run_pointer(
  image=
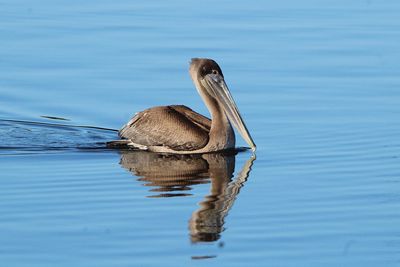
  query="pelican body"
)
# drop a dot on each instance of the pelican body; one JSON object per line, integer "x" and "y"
{"x": 178, "y": 129}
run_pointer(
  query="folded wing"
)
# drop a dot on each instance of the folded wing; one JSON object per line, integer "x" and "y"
{"x": 175, "y": 127}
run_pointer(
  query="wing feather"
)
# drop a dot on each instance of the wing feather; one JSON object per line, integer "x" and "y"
{"x": 176, "y": 127}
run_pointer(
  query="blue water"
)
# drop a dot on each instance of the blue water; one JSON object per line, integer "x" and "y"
{"x": 317, "y": 82}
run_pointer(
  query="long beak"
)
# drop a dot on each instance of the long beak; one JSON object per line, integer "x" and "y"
{"x": 221, "y": 92}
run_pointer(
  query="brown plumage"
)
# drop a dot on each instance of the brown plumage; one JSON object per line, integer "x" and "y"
{"x": 175, "y": 127}
{"x": 178, "y": 129}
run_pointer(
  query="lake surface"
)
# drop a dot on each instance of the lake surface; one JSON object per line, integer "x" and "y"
{"x": 317, "y": 82}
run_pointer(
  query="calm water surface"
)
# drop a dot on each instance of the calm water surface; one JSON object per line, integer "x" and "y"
{"x": 318, "y": 84}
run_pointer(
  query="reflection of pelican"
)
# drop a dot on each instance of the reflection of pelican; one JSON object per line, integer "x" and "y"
{"x": 174, "y": 174}
{"x": 180, "y": 130}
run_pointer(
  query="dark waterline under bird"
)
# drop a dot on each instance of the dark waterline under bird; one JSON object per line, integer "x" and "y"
{"x": 178, "y": 129}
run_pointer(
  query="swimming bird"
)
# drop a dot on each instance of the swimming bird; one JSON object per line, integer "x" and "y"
{"x": 178, "y": 129}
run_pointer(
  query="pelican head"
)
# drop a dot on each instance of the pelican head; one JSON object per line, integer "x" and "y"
{"x": 208, "y": 78}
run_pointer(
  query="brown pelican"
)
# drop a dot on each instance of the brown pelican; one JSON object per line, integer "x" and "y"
{"x": 178, "y": 129}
